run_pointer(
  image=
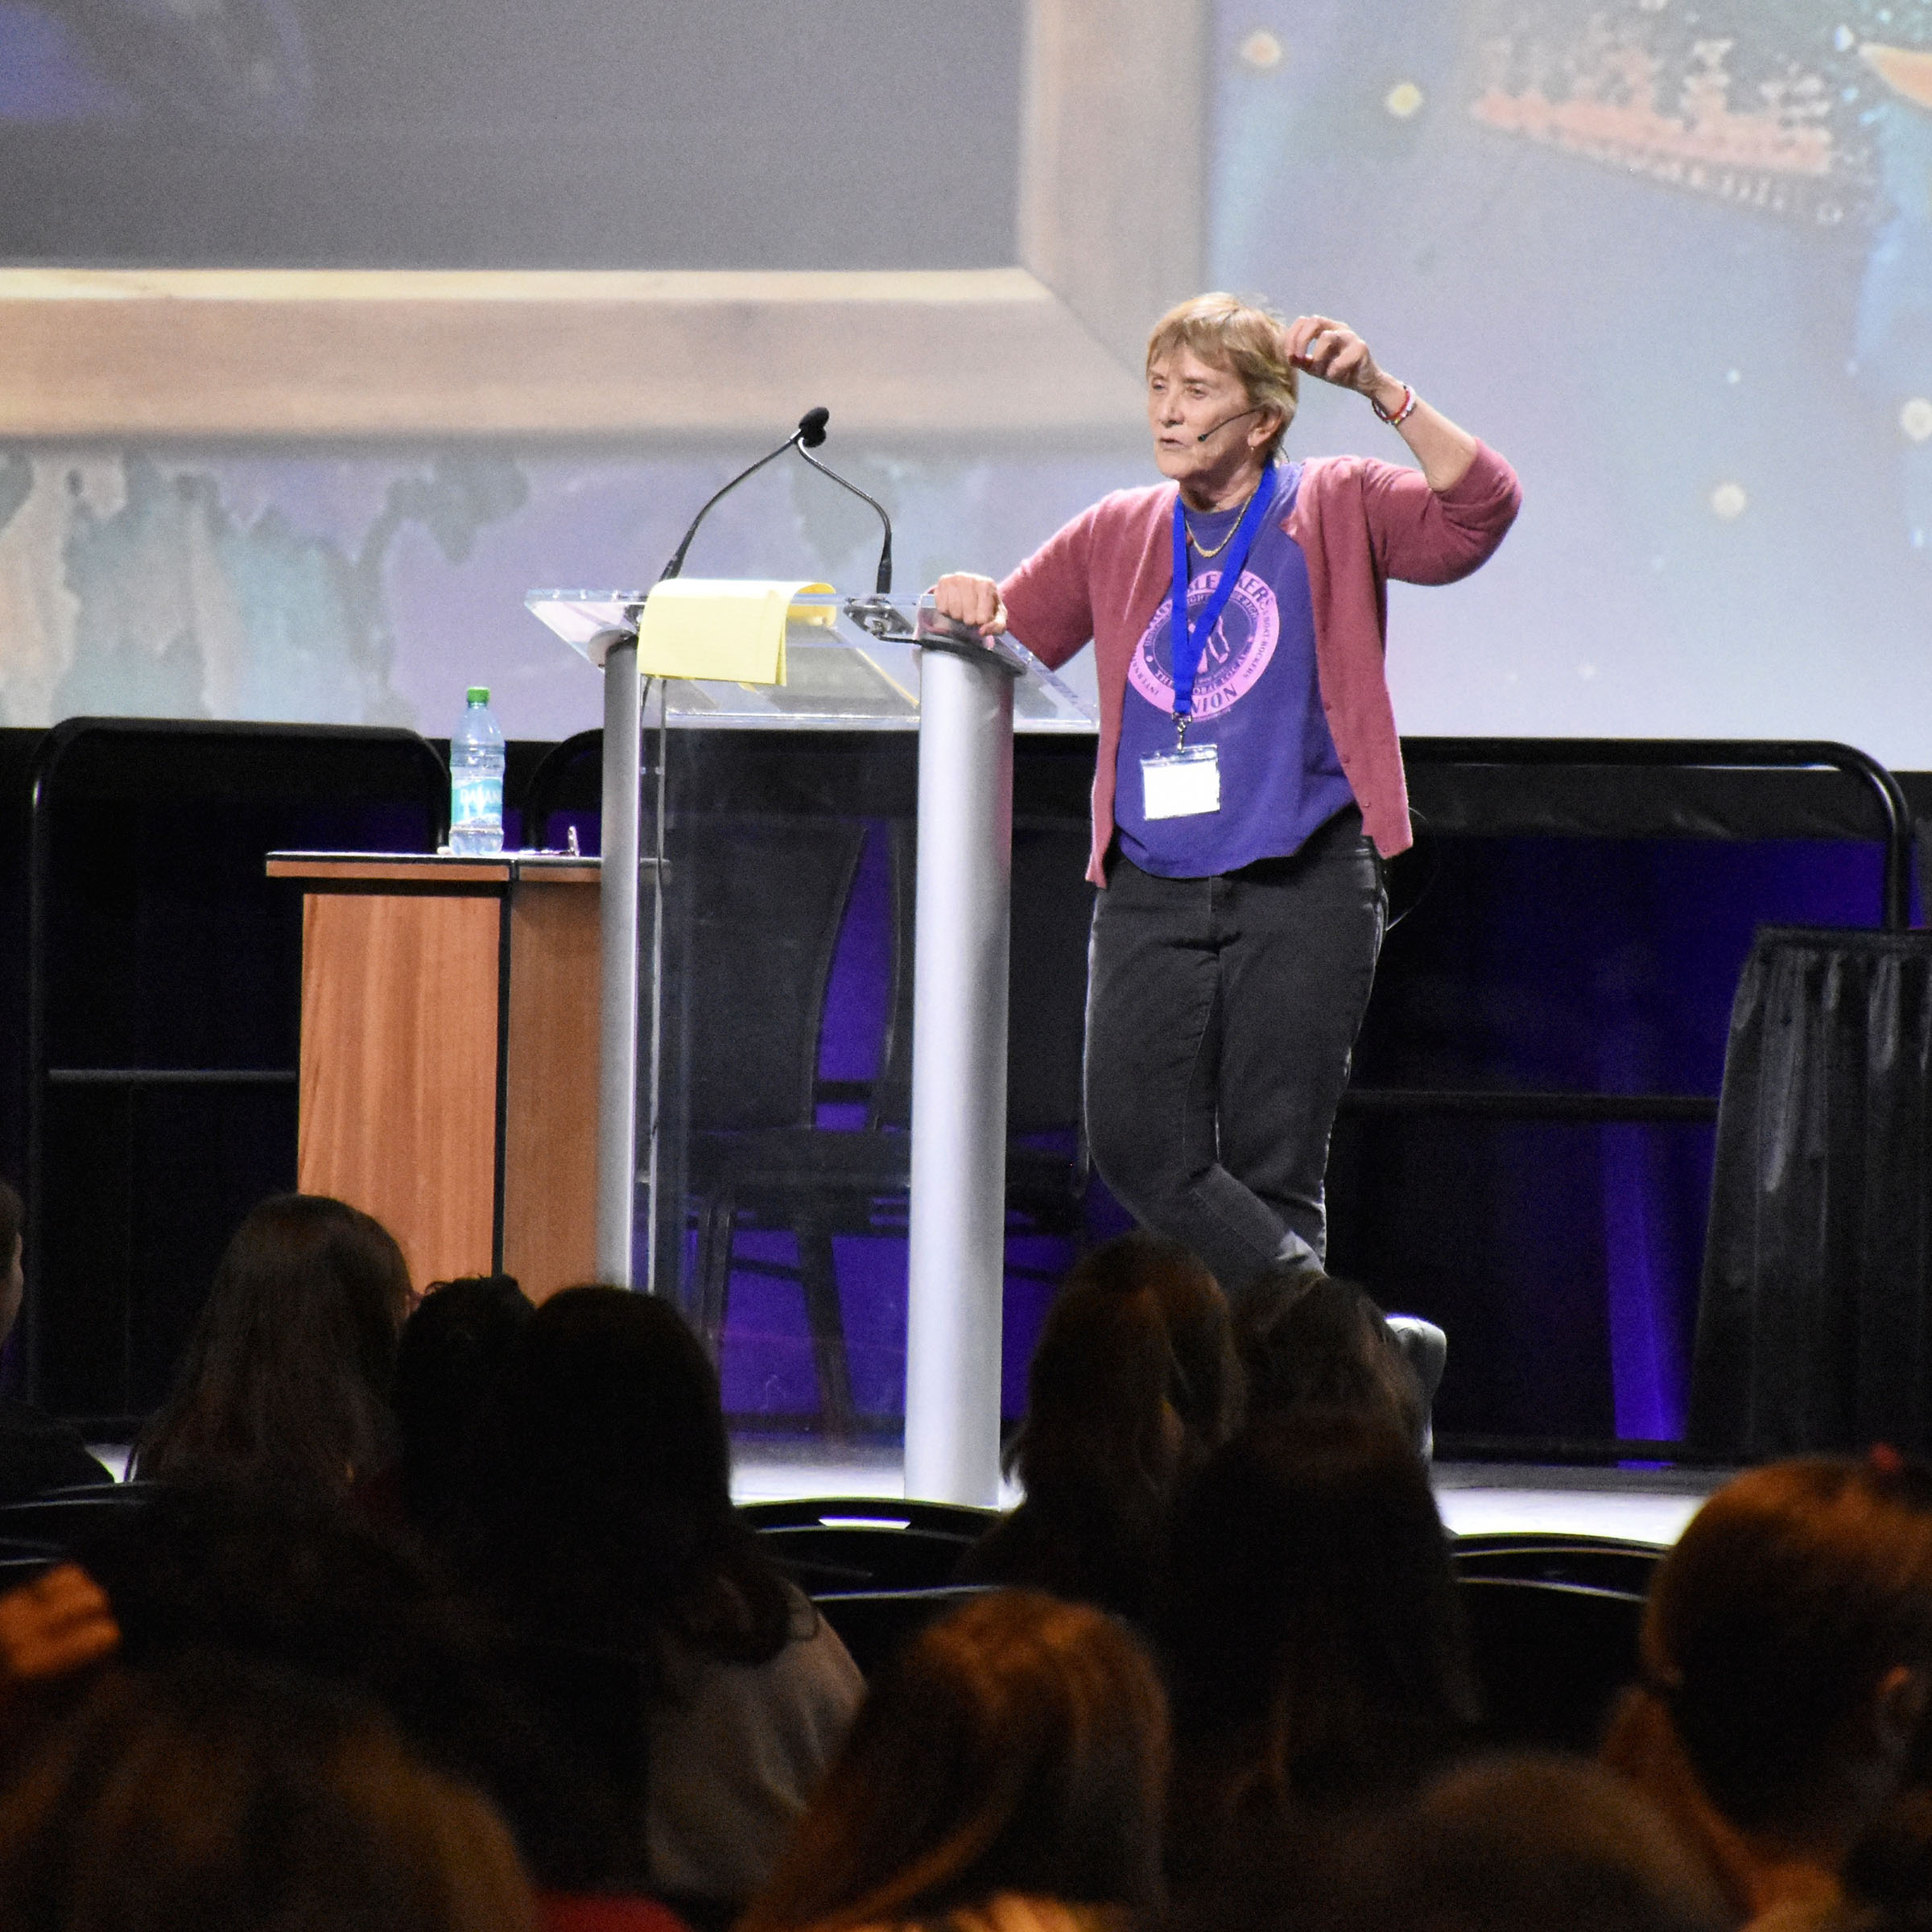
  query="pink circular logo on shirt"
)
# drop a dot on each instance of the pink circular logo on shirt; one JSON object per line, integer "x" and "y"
{"x": 1236, "y": 652}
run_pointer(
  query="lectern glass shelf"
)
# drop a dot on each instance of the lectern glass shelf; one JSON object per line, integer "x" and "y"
{"x": 761, "y": 982}
{"x": 839, "y": 675}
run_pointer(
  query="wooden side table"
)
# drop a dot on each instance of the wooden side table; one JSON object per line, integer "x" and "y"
{"x": 448, "y": 1080}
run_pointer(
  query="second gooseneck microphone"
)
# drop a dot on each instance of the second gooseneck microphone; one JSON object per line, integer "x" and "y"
{"x": 883, "y": 583}
{"x": 807, "y": 436}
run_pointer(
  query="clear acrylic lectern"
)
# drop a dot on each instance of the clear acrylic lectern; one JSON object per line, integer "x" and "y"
{"x": 852, "y": 665}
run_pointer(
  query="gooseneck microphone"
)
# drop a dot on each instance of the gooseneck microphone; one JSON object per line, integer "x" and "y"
{"x": 808, "y": 435}
{"x": 1221, "y": 425}
{"x": 884, "y": 582}
{"x": 811, "y": 431}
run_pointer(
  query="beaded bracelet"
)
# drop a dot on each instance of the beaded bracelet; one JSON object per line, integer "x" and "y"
{"x": 1402, "y": 414}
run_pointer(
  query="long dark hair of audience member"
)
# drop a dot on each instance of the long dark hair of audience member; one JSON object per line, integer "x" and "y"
{"x": 600, "y": 1506}
{"x": 452, "y": 1350}
{"x": 1315, "y": 1653}
{"x": 1133, "y": 1384}
{"x": 602, "y": 1518}
{"x": 222, "y": 1793}
{"x": 1306, "y": 1341}
{"x": 1787, "y": 1669}
{"x": 1015, "y": 1751}
{"x": 286, "y": 1380}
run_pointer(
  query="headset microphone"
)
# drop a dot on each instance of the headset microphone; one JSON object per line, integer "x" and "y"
{"x": 1223, "y": 423}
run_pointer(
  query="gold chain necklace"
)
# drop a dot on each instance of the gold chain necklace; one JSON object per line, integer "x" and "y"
{"x": 1200, "y": 549}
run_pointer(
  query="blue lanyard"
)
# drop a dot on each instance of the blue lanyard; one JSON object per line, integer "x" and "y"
{"x": 1190, "y": 639}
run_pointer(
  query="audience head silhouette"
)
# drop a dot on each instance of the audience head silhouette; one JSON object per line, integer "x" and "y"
{"x": 453, "y": 1351}
{"x": 307, "y": 1586}
{"x": 1787, "y": 1653}
{"x": 1133, "y": 1383}
{"x": 601, "y": 1505}
{"x": 1015, "y": 1749}
{"x": 1523, "y": 1845}
{"x": 286, "y": 1380}
{"x": 1306, "y": 1341}
{"x": 228, "y": 1795}
{"x": 1316, "y": 1656}
{"x": 1135, "y": 1362}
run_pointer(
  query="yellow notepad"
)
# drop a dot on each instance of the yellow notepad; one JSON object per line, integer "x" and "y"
{"x": 728, "y": 630}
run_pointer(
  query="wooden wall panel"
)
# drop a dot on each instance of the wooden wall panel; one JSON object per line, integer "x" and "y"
{"x": 550, "y": 1166}
{"x": 1109, "y": 231}
{"x": 1113, "y": 169}
{"x": 290, "y": 353}
{"x": 398, "y": 1068}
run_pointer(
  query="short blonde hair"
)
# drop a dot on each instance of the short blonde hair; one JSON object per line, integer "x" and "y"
{"x": 1228, "y": 333}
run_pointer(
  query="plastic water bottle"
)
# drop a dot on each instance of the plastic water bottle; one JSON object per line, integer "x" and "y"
{"x": 476, "y": 778}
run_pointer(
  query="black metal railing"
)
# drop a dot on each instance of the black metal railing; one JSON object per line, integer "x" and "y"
{"x": 1660, "y": 754}
{"x": 139, "y": 765}
{"x": 1892, "y": 826}
{"x": 1709, "y": 754}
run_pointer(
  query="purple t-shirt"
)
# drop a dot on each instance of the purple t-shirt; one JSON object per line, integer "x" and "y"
{"x": 1257, "y": 699}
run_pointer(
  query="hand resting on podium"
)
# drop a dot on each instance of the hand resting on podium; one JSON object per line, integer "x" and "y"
{"x": 971, "y": 599}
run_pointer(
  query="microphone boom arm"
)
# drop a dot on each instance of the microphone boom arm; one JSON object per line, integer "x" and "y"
{"x": 884, "y": 581}
{"x": 676, "y": 565}
{"x": 805, "y": 439}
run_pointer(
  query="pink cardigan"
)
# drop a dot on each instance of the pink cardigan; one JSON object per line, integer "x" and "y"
{"x": 1359, "y": 523}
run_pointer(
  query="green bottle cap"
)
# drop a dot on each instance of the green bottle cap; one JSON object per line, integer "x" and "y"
{"x": 479, "y": 694}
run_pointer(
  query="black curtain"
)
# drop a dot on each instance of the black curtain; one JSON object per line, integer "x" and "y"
{"x": 1814, "y": 1326}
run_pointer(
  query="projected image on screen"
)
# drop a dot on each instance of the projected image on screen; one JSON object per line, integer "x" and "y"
{"x": 741, "y": 134}
{"x": 1752, "y": 104}
{"x": 1761, "y": 106}
{"x": 223, "y": 64}
{"x": 1676, "y": 261}
{"x": 1672, "y": 257}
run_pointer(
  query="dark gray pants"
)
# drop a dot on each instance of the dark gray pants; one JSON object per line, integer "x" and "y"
{"x": 1221, "y": 1014}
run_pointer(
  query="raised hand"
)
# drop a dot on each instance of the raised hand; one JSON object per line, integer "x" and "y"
{"x": 1334, "y": 352}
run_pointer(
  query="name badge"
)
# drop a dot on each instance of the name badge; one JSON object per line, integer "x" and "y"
{"x": 1181, "y": 784}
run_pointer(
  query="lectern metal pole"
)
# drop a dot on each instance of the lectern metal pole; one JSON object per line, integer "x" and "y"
{"x": 617, "y": 1014}
{"x": 955, "y": 1263}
